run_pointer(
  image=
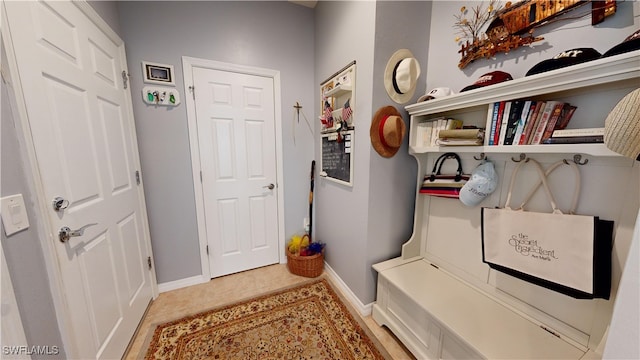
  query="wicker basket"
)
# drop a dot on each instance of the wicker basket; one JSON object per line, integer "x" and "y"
{"x": 308, "y": 266}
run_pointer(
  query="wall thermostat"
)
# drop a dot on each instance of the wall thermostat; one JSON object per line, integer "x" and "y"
{"x": 155, "y": 73}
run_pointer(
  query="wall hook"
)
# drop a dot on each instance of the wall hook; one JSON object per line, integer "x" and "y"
{"x": 481, "y": 157}
{"x": 577, "y": 158}
{"x": 522, "y": 157}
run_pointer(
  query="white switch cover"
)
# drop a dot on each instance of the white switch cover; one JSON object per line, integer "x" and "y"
{"x": 14, "y": 214}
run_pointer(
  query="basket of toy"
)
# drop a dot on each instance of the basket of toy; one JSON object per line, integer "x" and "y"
{"x": 305, "y": 258}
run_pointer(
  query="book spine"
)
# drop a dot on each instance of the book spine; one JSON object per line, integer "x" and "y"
{"x": 567, "y": 113}
{"x": 526, "y": 110}
{"x": 505, "y": 122}
{"x": 496, "y": 138}
{"x": 532, "y": 123}
{"x": 542, "y": 124}
{"x": 493, "y": 115}
{"x": 453, "y": 124}
{"x": 553, "y": 120}
{"x": 514, "y": 117}
{"x": 575, "y": 140}
{"x": 578, "y": 132}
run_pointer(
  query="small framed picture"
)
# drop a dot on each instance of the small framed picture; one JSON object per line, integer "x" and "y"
{"x": 158, "y": 73}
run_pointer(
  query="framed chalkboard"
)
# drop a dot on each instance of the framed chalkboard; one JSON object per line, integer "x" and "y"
{"x": 337, "y": 152}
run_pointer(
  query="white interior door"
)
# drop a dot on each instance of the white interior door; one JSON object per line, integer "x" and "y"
{"x": 236, "y": 136}
{"x": 83, "y": 135}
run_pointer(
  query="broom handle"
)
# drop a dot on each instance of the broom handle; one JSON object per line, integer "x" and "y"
{"x": 312, "y": 176}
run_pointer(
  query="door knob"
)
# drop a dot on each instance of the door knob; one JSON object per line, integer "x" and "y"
{"x": 60, "y": 203}
{"x": 65, "y": 233}
{"x": 270, "y": 186}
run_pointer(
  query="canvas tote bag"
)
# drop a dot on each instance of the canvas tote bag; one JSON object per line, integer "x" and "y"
{"x": 567, "y": 253}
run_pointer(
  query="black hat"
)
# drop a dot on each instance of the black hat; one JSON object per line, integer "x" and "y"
{"x": 631, "y": 43}
{"x": 564, "y": 59}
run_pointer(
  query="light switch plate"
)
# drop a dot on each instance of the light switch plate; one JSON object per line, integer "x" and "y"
{"x": 14, "y": 214}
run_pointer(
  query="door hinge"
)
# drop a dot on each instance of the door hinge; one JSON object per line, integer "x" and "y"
{"x": 201, "y": 176}
{"x": 149, "y": 262}
{"x": 207, "y": 249}
{"x": 193, "y": 91}
{"x": 125, "y": 78}
{"x": 138, "y": 177}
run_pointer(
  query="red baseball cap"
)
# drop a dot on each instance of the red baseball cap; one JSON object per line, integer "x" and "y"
{"x": 487, "y": 79}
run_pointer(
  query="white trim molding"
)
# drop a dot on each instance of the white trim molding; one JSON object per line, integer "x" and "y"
{"x": 182, "y": 283}
{"x": 364, "y": 310}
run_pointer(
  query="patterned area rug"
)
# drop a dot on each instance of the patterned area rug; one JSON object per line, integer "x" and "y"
{"x": 305, "y": 322}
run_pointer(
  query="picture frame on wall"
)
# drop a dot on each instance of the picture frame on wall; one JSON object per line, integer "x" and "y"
{"x": 155, "y": 73}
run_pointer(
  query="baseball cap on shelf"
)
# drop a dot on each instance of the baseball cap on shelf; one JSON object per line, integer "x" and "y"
{"x": 630, "y": 43}
{"x": 487, "y": 79}
{"x": 564, "y": 59}
{"x": 436, "y": 93}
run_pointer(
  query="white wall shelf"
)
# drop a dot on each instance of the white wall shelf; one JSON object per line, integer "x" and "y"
{"x": 610, "y": 76}
{"x": 624, "y": 68}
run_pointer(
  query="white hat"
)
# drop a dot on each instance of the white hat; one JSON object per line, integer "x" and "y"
{"x": 401, "y": 76}
{"x": 436, "y": 93}
{"x": 622, "y": 126}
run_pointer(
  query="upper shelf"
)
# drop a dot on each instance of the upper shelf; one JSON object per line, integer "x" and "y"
{"x": 589, "y": 149}
{"x": 338, "y": 90}
{"x": 597, "y": 72}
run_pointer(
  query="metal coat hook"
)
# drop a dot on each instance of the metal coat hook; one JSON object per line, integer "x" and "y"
{"x": 577, "y": 158}
{"x": 522, "y": 157}
{"x": 482, "y": 157}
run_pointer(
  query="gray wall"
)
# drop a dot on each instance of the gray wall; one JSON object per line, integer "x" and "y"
{"x": 368, "y": 222}
{"x": 399, "y": 24}
{"x": 345, "y": 31}
{"x": 275, "y": 35}
{"x": 558, "y": 36}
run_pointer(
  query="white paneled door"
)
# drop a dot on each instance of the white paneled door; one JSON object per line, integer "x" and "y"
{"x": 81, "y": 125}
{"x": 236, "y": 136}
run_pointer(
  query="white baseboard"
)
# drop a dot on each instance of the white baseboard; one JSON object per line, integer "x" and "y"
{"x": 178, "y": 284}
{"x": 364, "y": 310}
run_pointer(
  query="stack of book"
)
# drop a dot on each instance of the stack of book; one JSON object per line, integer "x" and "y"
{"x": 577, "y": 136}
{"x": 427, "y": 131}
{"x": 526, "y": 122}
{"x": 461, "y": 137}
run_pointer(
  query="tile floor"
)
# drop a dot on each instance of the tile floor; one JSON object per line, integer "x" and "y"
{"x": 174, "y": 304}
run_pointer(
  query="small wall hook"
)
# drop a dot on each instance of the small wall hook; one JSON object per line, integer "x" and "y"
{"x": 522, "y": 157}
{"x": 577, "y": 158}
{"x": 482, "y": 157}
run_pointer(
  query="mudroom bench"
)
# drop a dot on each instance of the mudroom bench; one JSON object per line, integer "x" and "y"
{"x": 437, "y": 316}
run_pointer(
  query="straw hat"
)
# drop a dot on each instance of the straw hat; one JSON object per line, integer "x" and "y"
{"x": 387, "y": 131}
{"x": 622, "y": 126}
{"x": 401, "y": 76}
